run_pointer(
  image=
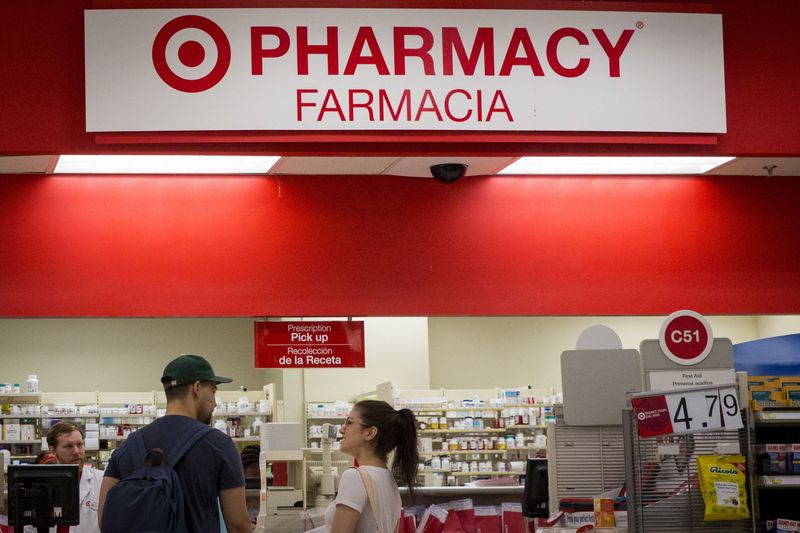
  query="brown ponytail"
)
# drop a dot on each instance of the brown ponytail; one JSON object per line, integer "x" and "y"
{"x": 397, "y": 430}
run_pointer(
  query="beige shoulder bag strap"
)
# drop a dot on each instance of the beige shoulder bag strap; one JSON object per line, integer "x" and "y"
{"x": 368, "y": 485}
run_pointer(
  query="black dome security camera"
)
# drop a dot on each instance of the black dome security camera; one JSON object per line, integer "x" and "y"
{"x": 448, "y": 172}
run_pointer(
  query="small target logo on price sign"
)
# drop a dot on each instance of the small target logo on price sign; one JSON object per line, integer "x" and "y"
{"x": 686, "y": 337}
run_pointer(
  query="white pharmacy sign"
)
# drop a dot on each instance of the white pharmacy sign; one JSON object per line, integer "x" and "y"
{"x": 403, "y": 69}
{"x": 679, "y": 379}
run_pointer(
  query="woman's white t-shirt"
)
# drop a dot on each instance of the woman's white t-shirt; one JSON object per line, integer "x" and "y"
{"x": 353, "y": 494}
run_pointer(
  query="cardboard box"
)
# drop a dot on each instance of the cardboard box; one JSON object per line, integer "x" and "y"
{"x": 767, "y": 396}
{"x": 786, "y": 526}
{"x": 603, "y": 512}
{"x": 792, "y": 395}
{"x": 762, "y": 380}
{"x": 11, "y": 430}
{"x": 777, "y": 456}
{"x": 793, "y": 458}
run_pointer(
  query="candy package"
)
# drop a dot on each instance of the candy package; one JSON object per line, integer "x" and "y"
{"x": 722, "y": 482}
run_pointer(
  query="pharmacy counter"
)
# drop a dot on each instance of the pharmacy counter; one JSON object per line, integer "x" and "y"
{"x": 480, "y": 495}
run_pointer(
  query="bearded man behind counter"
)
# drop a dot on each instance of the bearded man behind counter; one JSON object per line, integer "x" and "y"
{"x": 65, "y": 442}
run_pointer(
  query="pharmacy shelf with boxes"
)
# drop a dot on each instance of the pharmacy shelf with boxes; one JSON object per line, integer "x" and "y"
{"x": 108, "y": 418}
{"x": 467, "y": 435}
{"x": 319, "y": 413}
{"x": 775, "y": 401}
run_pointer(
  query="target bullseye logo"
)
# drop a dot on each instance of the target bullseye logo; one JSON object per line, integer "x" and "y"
{"x": 191, "y": 54}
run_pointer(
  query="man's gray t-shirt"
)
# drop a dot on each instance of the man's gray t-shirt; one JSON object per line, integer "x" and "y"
{"x": 211, "y": 465}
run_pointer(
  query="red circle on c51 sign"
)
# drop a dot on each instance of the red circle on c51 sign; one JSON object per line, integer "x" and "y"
{"x": 686, "y": 337}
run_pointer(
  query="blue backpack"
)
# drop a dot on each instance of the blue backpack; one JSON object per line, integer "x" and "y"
{"x": 150, "y": 500}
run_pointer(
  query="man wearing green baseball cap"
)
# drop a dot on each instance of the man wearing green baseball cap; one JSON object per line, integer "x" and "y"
{"x": 211, "y": 468}
{"x": 186, "y": 369}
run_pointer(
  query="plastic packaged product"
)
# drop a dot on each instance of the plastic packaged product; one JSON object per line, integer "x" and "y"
{"x": 510, "y": 442}
{"x": 445, "y": 463}
{"x": 722, "y": 483}
{"x": 264, "y": 407}
{"x": 32, "y": 383}
{"x": 519, "y": 440}
{"x": 436, "y": 463}
{"x": 16, "y": 388}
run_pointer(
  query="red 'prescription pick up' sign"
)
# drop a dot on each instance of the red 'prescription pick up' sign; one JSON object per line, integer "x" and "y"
{"x": 330, "y": 344}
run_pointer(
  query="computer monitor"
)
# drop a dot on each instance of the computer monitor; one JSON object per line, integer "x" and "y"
{"x": 535, "y": 494}
{"x": 43, "y": 496}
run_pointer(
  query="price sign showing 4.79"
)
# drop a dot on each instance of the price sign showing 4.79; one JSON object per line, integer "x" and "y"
{"x": 687, "y": 411}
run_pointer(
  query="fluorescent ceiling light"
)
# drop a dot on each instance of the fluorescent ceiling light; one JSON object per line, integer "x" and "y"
{"x": 614, "y": 165}
{"x": 164, "y": 164}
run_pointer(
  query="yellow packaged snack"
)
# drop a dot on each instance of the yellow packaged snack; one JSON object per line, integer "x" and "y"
{"x": 722, "y": 482}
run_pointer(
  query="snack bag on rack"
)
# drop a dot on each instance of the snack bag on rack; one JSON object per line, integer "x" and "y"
{"x": 433, "y": 520}
{"x": 452, "y": 524}
{"x": 513, "y": 521}
{"x": 722, "y": 482}
{"x": 408, "y": 522}
{"x": 465, "y": 512}
{"x": 487, "y": 520}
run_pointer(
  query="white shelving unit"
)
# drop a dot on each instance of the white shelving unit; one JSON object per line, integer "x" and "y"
{"x": 101, "y": 411}
{"x": 778, "y": 492}
{"x": 479, "y": 422}
{"x": 318, "y": 413}
{"x": 773, "y": 481}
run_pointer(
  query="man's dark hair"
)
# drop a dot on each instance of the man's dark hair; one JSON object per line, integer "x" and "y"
{"x": 177, "y": 392}
{"x": 62, "y": 428}
{"x": 250, "y": 455}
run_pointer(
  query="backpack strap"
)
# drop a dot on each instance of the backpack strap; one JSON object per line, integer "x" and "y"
{"x": 136, "y": 442}
{"x": 186, "y": 443}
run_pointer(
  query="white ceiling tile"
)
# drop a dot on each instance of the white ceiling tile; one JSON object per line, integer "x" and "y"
{"x": 322, "y": 165}
{"x": 754, "y": 166}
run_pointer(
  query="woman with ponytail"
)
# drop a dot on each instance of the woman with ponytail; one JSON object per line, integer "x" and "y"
{"x": 368, "y": 500}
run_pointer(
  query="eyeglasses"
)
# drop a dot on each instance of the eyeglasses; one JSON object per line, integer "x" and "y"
{"x": 349, "y": 422}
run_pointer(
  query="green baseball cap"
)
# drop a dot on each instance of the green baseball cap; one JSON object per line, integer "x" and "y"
{"x": 188, "y": 369}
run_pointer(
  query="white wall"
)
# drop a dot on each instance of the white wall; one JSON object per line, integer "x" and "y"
{"x": 396, "y": 351}
{"x": 515, "y": 351}
{"x": 124, "y": 354}
{"x": 774, "y": 325}
{"x": 412, "y": 353}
